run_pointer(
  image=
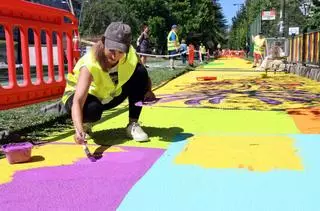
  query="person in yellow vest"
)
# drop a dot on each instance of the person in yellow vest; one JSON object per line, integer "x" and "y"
{"x": 259, "y": 43}
{"x": 173, "y": 45}
{"x": 103, "y": 78}
{"x": 203, "y": 52}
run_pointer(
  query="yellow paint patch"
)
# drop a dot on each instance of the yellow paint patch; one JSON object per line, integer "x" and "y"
{"x": 48, "y": 155}
{"x": 229, "y": 63}
{"x": 254, "y": 153}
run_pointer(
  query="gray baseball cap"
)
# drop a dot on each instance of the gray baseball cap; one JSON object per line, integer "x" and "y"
{"x": 118, "y": 37}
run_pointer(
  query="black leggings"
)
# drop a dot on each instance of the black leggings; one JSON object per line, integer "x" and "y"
{"x": 135, "y": 89}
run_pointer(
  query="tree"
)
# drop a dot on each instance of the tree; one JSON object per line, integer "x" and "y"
{"x": 314, "y": 18}
{"x": 202, "y": 17}
{"x": 99, "y": 13}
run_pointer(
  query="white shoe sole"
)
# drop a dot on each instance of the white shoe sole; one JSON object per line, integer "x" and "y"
{"x": 139, "y": 140}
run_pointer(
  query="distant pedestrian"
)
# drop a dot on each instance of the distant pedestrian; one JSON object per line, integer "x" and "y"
{"x": 203, "y": 52}
{"x": 173, "y": 45}
{"x": 259, "y": 47}
{"x": 219, "y": 48}
{"x": 143, "y": 43}
{"x": 191, "y": 54}
{"x": 183, "y": 50}
{"x": 247, "y": 49}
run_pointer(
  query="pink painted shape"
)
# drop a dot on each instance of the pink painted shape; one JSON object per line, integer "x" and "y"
{"x": 83, "y": 186}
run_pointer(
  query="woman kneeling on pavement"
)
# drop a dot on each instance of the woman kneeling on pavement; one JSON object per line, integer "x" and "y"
{"x": 103, "y": 78}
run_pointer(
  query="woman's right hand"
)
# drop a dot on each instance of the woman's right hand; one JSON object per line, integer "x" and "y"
{"x": 80, "y": 137}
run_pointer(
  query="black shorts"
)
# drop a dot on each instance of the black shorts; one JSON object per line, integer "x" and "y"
{"x": 173, "y": 52}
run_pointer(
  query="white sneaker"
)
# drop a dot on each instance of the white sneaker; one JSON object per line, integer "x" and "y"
{"x": 135, "y": 132}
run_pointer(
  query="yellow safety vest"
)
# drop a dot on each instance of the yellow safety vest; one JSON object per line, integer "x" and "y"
{"x": 202, "y": 49}
{"x": 102, "y": 86}
{"x": 258, "y": 45}
{"x": 172, "y": 44}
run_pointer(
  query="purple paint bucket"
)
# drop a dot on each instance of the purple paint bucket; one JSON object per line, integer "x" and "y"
{"x": 17, "y": 152}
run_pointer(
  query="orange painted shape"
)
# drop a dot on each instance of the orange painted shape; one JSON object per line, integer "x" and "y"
{"x": 307, "y": 120}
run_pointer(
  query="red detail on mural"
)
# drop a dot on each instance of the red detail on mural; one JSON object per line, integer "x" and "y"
{"x": 207, "y": 78}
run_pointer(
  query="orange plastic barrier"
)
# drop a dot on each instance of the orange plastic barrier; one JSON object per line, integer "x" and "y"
{"x": 40, "y": 19}
{"x": 232, "y": 53}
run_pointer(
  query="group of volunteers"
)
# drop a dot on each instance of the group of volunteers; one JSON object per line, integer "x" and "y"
{"x": 174, "y": 47}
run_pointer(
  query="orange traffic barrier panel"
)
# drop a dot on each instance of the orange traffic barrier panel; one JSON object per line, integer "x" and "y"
{"x": 58, "y": 27}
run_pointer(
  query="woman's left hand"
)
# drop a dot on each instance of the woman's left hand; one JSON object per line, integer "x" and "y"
{"x": 149, "y": 96}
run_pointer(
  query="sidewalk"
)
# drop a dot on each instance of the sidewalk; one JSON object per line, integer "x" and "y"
{"x": 240, "y": 142}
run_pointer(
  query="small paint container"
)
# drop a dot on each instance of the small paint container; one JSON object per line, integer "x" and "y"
{"x": 17, "y": 152}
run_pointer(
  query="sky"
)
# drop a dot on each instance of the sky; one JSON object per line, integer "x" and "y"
{"x": 229, "y": 10}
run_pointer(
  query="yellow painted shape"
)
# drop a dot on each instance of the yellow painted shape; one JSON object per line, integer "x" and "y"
{"x": 229, "y": 63}
{"x": 254, "y": 153}
{"x": 53, "y": 155}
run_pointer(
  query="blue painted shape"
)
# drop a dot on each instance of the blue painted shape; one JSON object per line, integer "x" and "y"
{"x": 167, "y": 186}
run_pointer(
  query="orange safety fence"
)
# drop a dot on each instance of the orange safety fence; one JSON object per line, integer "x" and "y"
{"x": 305, "y": 48}
{"x": 55, "y": 24}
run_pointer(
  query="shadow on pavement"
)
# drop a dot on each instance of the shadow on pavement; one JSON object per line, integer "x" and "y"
{"x": 36, "y": 158}
{"x": 64, "y": 134}
{"x": 117, "y": 136}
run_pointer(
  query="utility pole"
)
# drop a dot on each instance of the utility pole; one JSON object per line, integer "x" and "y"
{"x": 71, "y": 7}
{"x": 80, "y": 15}
{"x": 282, "y": 27}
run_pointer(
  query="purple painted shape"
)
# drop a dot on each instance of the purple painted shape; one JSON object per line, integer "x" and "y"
{"x": 299, "y": 92}
{"x": 216, "y": 99}
{"x": 17, "y": 146}
{"x": 269, "y": 101}
{"x": 295, "y": 99}
{"x": 147, "y": 103}
{"x": 195, "y": 101}
{"x": 82, "y": 186}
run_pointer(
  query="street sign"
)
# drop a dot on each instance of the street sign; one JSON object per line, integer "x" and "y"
{"x": 268, "y": 15}
{"x": 293, "y": 30}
